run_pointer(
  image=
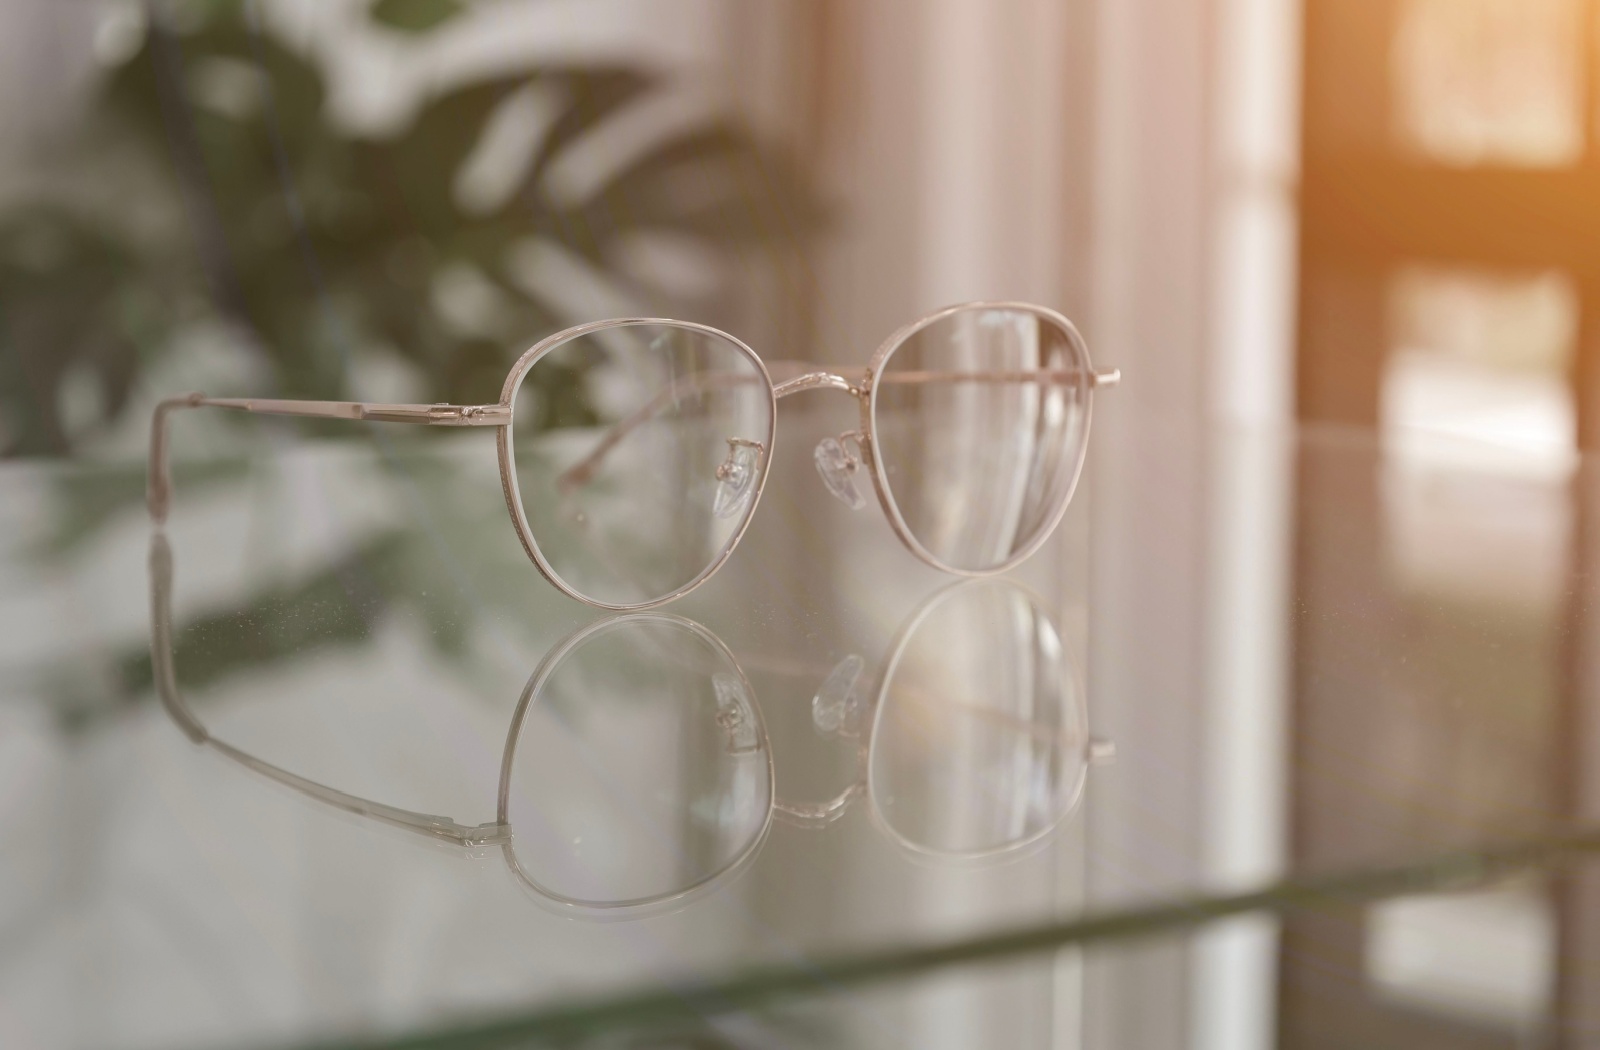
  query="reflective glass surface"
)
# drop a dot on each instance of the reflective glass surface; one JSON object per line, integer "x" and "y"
{"x": 831, "y": 798}
{"x": 1286, "y": 736}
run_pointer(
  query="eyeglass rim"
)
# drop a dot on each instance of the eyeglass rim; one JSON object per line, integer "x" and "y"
{"x": 880, "y": 484}
{"x": 1071, "y": 797}
{"x": 670, "y": 900}
{"x": 507, "y": 455}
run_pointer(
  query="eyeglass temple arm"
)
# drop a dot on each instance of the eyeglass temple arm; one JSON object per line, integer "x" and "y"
{"x": 159, "y": 489}
{"x": 580, "y": 472}
{"x": 166, "y": 680}
{"x": 797, "y": 376}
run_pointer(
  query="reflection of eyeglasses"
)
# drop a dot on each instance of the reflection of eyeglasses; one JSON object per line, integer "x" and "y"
{"x": 645, "y": 730}
{"x": 633, "y": 451}
{"x": 924, "y": 698}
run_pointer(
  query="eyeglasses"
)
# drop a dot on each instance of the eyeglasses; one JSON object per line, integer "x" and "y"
{"x": 971, "y": 742}
{"x": 633, "y": 451}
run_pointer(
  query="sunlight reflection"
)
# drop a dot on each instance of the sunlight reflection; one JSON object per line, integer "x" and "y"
{"x": 1478, "y": 377}
{"x": 1489, "y": 81}
{"x": 1486, "y": 957}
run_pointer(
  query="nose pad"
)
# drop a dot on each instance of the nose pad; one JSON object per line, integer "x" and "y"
{"x": 736, "y": 478}
{"x": 734, "y": 716}
{"x": 837, "y": 706}
{"x": 838, "y": 462}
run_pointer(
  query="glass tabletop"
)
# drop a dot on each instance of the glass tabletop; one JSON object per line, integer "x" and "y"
{"x": 1283, "y": 737}
{"x": 325, "y": 762}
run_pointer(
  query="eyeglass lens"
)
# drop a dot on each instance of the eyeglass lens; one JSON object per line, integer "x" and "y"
{"x": 641, "y": 767}
{"x": 639, "y": 450}
{"x": 979, "y": 422}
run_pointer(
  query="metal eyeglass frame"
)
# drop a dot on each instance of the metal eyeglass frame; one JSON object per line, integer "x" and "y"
{"x": 863, "y": 387}
{"x": 1096, "y": 750}
{"x": 498, "y": 832}
{"x": 477, "y": 838}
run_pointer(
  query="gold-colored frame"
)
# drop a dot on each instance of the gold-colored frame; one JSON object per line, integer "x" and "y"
{"x": 656, "y": 903}
{"x": 868, "y": 397}
{"x": 1096, "y": 750}
{"x": 508, "y": 460}
{"x": 500, "y": 415}
{"x": 495, "y": 833}
{"x": 162, "y": 663}
{"x": 498, "y": 833}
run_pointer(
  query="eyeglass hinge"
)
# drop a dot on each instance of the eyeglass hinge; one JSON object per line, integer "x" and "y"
{"x": 439, "y": 415}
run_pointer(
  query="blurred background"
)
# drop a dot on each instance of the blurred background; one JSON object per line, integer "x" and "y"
{"x": 1344, "y": 252}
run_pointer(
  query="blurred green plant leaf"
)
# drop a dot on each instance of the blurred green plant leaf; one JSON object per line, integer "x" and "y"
{"x": 319, "y": 247}
{"x": 415, "y": 16}
{"x": 323, "y": 246}
{"x": 78, "y": 312}
{"x": 339, "y": 605}
{"x": 89, "y": 499}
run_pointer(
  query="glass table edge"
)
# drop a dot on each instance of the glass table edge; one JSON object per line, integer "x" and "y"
{"x": 696, "y": 999}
